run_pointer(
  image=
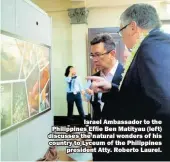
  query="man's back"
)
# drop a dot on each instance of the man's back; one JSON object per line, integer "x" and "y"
{"x": 145, "y": 92}
{"x": 146, "y": 88}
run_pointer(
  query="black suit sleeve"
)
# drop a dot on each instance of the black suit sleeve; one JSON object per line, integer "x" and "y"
{"x": 110, "y": 95}
{"x": 114, "y": 87}
{"x": 153, "y": 65}
{"x": 154, "y": 72}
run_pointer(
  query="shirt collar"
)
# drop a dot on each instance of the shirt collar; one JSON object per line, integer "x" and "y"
{"x": 112, "y": 71}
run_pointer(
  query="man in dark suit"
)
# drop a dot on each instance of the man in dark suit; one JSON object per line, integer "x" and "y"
{"x": 103, "y": 55}
{"x": 144, "y": 92}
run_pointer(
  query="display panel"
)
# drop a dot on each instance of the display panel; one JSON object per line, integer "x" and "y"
{"x": 25, "y": 80}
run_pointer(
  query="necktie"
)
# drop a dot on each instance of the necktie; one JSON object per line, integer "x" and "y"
{"x": 71, "y": 82}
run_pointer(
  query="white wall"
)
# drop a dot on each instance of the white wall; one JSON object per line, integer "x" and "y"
{"x": 29, "y": 141}
{"x": 64, "y": 51}
{"x": 162, "y": 11}
{"x": 79, "y": 55}
{"x": 104, "y": 17}
{"x": 109, "y": 17}
{"x": 61, "y": 58}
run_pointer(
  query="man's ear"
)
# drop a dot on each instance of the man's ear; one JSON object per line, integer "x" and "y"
{"x": 134, "y": 28}
{"x": 113, "y": 53}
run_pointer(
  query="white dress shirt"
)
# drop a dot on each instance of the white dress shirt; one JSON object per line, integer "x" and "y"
{"x": 108, "y": 77}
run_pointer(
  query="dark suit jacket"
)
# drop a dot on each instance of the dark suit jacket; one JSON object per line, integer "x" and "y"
{"x": 95, "y": 104}
{"x": 97, "y": 113}
{"x": 145, "y": 92}
{"x": 105, "y": 113}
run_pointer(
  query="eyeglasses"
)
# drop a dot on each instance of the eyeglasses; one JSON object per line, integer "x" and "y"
{"x": 120, "y": 31}
{"x": 97, "y": 55}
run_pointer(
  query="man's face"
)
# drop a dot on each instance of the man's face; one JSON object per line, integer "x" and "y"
{"x": 101, "y": 61}
{"x": 126, "y": 54}
{"x": 129, "y": 34}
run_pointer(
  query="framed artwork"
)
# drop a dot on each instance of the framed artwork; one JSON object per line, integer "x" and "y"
{"x": 25, "y": 84}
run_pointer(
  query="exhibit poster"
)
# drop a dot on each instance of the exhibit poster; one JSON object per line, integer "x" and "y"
{"x": 25, "y": 80}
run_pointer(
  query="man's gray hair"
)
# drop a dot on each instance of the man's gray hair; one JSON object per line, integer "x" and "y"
{"x": 145, "y": 16}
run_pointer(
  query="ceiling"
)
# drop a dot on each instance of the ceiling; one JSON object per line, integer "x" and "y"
{"x": 115, "y": 3}
{"x": 58, "y": 5}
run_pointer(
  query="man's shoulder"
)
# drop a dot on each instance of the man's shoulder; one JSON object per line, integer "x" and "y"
{"x": 155, "y": 44}
{"x": 157, "y": 37}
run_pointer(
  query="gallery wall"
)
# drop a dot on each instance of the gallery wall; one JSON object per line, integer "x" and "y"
{"x": 28, "y": 141}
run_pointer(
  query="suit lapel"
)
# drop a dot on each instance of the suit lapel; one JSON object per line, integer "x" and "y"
{"x": 116, "y": 78}
{"x": 129, "y": 69}
{"x": 96, "y": 94}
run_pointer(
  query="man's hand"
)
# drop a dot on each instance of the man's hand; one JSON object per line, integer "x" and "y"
{"x": 83, "y": 92}
{"x": 99, "y": 84}
{"x": 89, "y": 91}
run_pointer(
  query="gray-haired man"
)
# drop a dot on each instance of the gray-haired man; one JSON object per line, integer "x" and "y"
{"x": 144, "y": 92}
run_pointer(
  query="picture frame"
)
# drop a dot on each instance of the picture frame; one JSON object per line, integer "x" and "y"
{"x": 25, "y": 84}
